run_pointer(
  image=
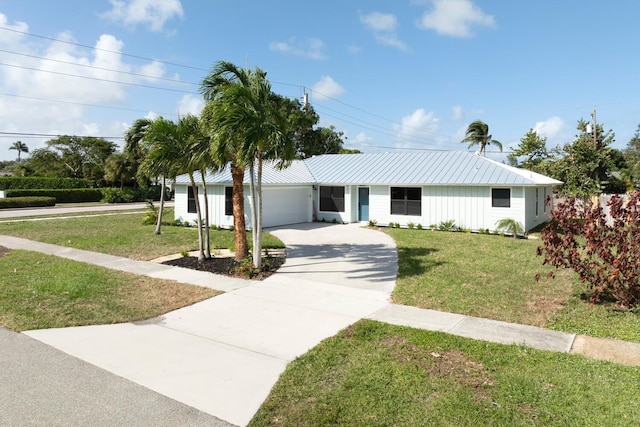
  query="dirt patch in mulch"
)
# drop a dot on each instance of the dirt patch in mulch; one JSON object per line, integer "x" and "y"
{"x": 229, "y": 267}
{"x": 3, "y": 251}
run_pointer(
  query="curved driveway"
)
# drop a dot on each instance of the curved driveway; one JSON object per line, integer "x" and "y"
{"x": 223, "y": 355}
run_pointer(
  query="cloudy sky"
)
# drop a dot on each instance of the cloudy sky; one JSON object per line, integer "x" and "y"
{"x": 392, "y": 75}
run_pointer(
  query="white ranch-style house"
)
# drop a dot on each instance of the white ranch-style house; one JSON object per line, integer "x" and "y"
{"x": 421, "y": 188}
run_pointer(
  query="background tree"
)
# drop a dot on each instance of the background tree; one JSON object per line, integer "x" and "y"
{"x": 478, "y": 134}
{"x": 20, "y": 147}
{"x": 632, "y": 157}
{"x": 533, "y": 148}
{"x": 73, "y": 157}
{"x": 119, "y": 170}
{"x": 584, "y": 165}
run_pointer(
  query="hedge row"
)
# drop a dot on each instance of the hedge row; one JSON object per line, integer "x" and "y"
{"x": 71, "y": 195}
{"x": 39, "y": 183}
{"x": 26, "y": 202}
{"x": 127, "y": 195}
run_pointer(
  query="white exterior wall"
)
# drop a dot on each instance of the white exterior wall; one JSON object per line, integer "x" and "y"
{"x": 543, "y": 213}
{"x": 281, "y": 205}
{"x": 516, "y": 211}
{"x": 470, "y": 207}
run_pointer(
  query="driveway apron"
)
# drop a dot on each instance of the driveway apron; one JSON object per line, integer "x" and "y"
{"x": 223, "y": 355}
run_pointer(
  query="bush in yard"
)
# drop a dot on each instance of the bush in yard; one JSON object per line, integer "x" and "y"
{"x": 27, "y": 202}
{"x": 509, "y": 226}
{"x": 62, "y": 195}
{"x": 605, "y": 254}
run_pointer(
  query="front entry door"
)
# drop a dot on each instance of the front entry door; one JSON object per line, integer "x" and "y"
{"x": 363, "y": 204}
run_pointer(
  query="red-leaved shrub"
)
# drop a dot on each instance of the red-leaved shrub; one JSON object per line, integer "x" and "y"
{"x": 604, "y": 252}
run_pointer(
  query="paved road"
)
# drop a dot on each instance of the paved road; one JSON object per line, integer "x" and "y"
{"x": 74, "y": 209}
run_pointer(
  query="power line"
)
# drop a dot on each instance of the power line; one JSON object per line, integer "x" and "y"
{"x": 98, "y": 68}
{"x": 97, "y": 79}
{"x": 101, "y": 49}
{"x": 50, "y": 135}
{"x": 83, "y": 104}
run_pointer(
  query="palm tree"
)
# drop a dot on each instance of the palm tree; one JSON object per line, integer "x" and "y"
{"x": 478, "y": 134}
{"x": 243, "y": 111}
{"x": 159, "y": 139}
{"x": 20, "y": 147}
{"x": 134, "y": 149}
{"x": 510, "y": 226}
{"x": 198, "y": 157}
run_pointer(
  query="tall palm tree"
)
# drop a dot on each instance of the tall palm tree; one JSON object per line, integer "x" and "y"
{"x": 243, "y": 109}
{"x": 478, "y": 134}
{"x": 160, "y": 140}
{"x": 198, "y": 158}
{"x": 20, "y": 147}
{"x": 134, "y": 149}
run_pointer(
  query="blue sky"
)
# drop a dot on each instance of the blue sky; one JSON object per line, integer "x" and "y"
{"x": 392, "y": 75}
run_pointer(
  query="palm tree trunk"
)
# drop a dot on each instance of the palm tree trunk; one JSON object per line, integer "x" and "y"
{"x": 159, "y": 224}
{"x": 239, "y": 225}
{"x": 207, "y": 237}
{"x": 198, "y": 218}
{"x": 257, "y": 248}
{"x": 254, "y": 213}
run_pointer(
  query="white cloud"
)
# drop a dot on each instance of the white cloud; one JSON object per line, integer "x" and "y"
{"x": 383, "y": 26}
{"x": 53, "y": 72}
{"x": 190, "y": 104}
{"x": 550, "y": 127}
{"x": 418, "y": 128}
{"x": 311, "y": 48}
{"x": 326, "y": 88}
{"x": 154, "y": 13}
{"x": 455, "y": 18}
{"x": 457, "y": 112}
{"x": 11, "y": 38}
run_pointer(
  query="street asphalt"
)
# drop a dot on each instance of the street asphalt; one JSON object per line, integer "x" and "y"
{"x": 220, "y": 357}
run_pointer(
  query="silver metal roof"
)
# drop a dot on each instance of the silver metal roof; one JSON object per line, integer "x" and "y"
{"x": 296, "y": 174}
{"x": 424, "y": 168}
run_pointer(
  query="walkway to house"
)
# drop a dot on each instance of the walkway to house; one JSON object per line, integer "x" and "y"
{"x": 223, "y": 355}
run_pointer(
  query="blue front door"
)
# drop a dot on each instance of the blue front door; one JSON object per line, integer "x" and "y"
{"x": 363, "y": 204}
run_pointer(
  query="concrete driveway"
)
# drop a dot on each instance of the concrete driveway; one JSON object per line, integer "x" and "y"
{"x": 223, "y": 355}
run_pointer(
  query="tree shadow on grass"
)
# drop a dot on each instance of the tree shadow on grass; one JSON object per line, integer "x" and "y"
{"x": 415, "y": 261}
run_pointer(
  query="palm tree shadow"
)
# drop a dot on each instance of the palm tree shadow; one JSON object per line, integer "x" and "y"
{"x": 415, "y": 261}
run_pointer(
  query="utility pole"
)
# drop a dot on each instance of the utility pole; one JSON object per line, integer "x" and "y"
{"x": 595, "y": 129}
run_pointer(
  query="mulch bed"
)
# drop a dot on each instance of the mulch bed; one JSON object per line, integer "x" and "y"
{"x": 229, "y": 267}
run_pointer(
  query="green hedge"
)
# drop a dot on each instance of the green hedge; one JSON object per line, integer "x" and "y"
{"x": 70, "y": 195}
{"x": 127, "y": 195}
{"x": 26, "y": 202}
{"x": 39, "y": 183}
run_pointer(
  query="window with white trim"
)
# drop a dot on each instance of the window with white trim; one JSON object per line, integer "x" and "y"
{"x": 500, "y": 197}
{"x": 331, "y": 199}
{"x": 406, "y": 201}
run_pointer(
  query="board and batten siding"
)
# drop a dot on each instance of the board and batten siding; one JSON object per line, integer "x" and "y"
{"x": 469, "y": 206}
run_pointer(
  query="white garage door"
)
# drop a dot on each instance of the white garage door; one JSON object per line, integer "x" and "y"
{"x": 283, "y": 206}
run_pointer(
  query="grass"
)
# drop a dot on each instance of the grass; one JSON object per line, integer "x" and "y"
{"x": 375, "y": 374}
{"x": 494, "y": 277}
{"x": 121, "y": 235}
{"x": 41, "y": 291}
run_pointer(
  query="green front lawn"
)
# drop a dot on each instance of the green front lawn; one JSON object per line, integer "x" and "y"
{"x": 40, "y": 291}
{"x": 375, "y": 374}
{"x": 494, "y": 277}
{"x": 122, "y": 235}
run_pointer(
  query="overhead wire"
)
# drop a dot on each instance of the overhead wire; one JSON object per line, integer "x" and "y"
{"x": 385, "y": 131}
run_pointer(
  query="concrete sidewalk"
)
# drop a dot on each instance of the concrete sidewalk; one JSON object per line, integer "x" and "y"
{"x": 223, "y": 355}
